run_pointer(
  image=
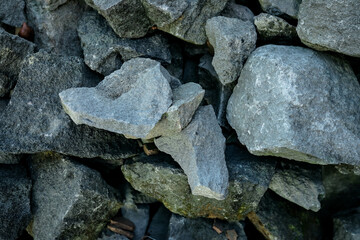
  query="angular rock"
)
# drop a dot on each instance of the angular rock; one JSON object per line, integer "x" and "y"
{"x": 234, "y": 10}
{"x": 15, "y": 214}
{"x": 159, "y": 177}
{"x": 129, "y": 101}
{"x": 233, "y": 41}
{"x": 159, "y": 224}
{"x": 294, "y": 103}
{"x": 281, "y": 7}
{"x": 13, "y": 51}
{"x": 347, "y": 225}
{"x": 300, "y": 184}
{"x": 126, "y": 17}
{"x": 200, "y": 151}
{"x": 139, "y": 216}
{"x": 12, "y": 12}
{"x": 104, "y": 51}
{"x": 70, "y": 201}
{"x": 34, "y": 120}
{"x": 330, "y": 25}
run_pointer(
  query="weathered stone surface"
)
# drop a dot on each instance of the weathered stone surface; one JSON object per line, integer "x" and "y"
{"x": 34, "y": 120}
{"x": 296, "y": 103}
{"x": 281, "y": 7}
{"x": 330, "y": 25}
{"x": 186, "y": 99}
{"x": 200, "y": 151}
{"x": 126, "y": 17}
{"x": 234, "y": 10}
{"x": 347, "y": 225}
{"x": 15, "y": 214}
{"x": 55, "y": 25}
{"x": 159, "y": 177}
{"x": 300, "y": 184}
{"x": 139, "y": 215}
{"x": 129, "y": 101}
{"x": 70, "y": 201}
{"x": 233, "y": 41}
{"x": 13, "y": 50}
{"x": 104, "y": 51}
{"x": 12, "y": 12}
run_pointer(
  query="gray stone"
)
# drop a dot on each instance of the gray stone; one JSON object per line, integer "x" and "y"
{"x": 9, "y": 158}
{"x": 139, "y": 216}
{"x": 186, "y": 99}
{"x": 160, "y": 177}
{"x": 300, "y": 184}
{"x": 200, "y": 151}
{"x": 234, "y": 10}
{"x": 132, "y": 197}
{"x": 104, "y": 51}
{"x": 13, "y": 50}
{"x": 34, "y": 120}
{"x": 15, "y": 214}
{"x": 330, "y": 25}
{"x": 281, "y": 7}
{"x": 347, "y": 225}
{"x": 12, "y": 12}
{"x": 296, "y": 103}
{"x": 129, "y": 101}
{"x": 159, "y": 224}
{"x": 54, "y": 4}
{"x": 348, "y": 169}
{"x": 109, "y": 235}
{"x": 233, "y": 41}
{"x": 126, "y": 17}
{"x": 70, "y": 201}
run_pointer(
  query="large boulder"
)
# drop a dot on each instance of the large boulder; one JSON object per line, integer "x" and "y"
{"x": 12, "y": 12}
{"x": 299, "y": 104}
{"x": 288, "y": 8}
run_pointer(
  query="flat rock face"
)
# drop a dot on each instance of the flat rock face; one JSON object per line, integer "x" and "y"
{"x": 34, "y": 120}
{"x": 200, "y": 151}
{"x": 296, "y": 103}
{"x": 15, "y": 214}
{"x": 126, "y": 17}
{"x": 129, "y": 101}
{"x": 347, "y": 225}
{"x": 159, "y": 177}
{"x": 12, "y": 12}
{"x": 70, "y": 201}
{"x": 281, "y": 7}
{"x": 330, "y": 25}
{"x": 300, "y": 184}
{"x": 233, "y": 41}
{"x": 104, "y": 51}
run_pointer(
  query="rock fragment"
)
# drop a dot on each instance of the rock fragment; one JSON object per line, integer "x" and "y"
{"x": 234, "y": 10}
{"x": 281, "y": 8}
{"x": 347, "y": 225}
{"x": 139, "y": 215}
{"x": 294, "y": 103}
{"x": 12, "y": 12}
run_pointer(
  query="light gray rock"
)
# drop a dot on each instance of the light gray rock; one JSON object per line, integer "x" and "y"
{"x": 330, "y": 25}
{"x": 281, "y": 7}
{"x": 15, "y": 188}
{"x": 12, "y": 12}
{"x": 295, "y": 103}
{"x": 34, "y": 120}
{"x": 126, "y": 17}
{"x": 129, "y": 101}
{"x": 104, "y": 51}
{"x": 347, "y": 225}
{"x": 70, "y": 201}
{"x": 300, "y": 184}
{"x": 139, "y": 215}
{"x": 234, "y": 10}
{"x": 200, "y": 151}
{"x": 233, "y": 41}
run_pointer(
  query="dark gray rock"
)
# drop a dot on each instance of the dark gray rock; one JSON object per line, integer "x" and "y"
{"x": 234, "y": 10}
{"x": 281, "y": 7}
{"x": 70, "y": 201}
{"x": 300, "y": 184}
{"x": 233, "y": 41}
{"x": 34, "y": 120}
{"x": 295, "y": 103}
{"x": 129, "y": 101}
{"x": 6, "y": 158}
{"x": 159, "y": 177}
{"x": 13, "y": 51}
{"x": 104, "y": 51}
{"x": 330, "y": 25}
{"x": 347, "y": 225}
{"x": 139, "y": 215}
{"x": 15, "y": 214}
{"x": 12, "y": 12}
{"x": 126, "y": 17}
{"x": 159, "y": 224}
{"x": 348, "y": 169}
{"x": 109, "y": 235}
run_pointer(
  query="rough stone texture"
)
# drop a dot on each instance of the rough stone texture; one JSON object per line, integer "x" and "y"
{"x": 15, "y": 214}
{"x": 300, "y": 184}
{"x": 159, "y": 224}
{"x": 12, "y": 12}
{"x": 330, "y": 25}
{"x": 70, "y": 201}
{"x": 129, "y": 101}
{"x": 159, "y": 177}
{"x": 233, "y": 41}
{"x": 281, "y": 7}
{"x": 299, "y": 104}
{"x": 200, "y": 151}
{"x": 55, "y": 28}
{"x": 186, "y": 99}
{"x": 109, "y": 235}
{"x": 139, "y": 216}
{"x": 126, "y": 17}
{"x": 104, "y": 51}
{"x": 9, "y": 158}
{"x": 347, "y": 225}
{"x": 54, "y": 4}
{"x": 348, "y": 169}
{"x": 13, "y": 50}
{"x": 34, "y": 120}
{"x": 233, "y": 10}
